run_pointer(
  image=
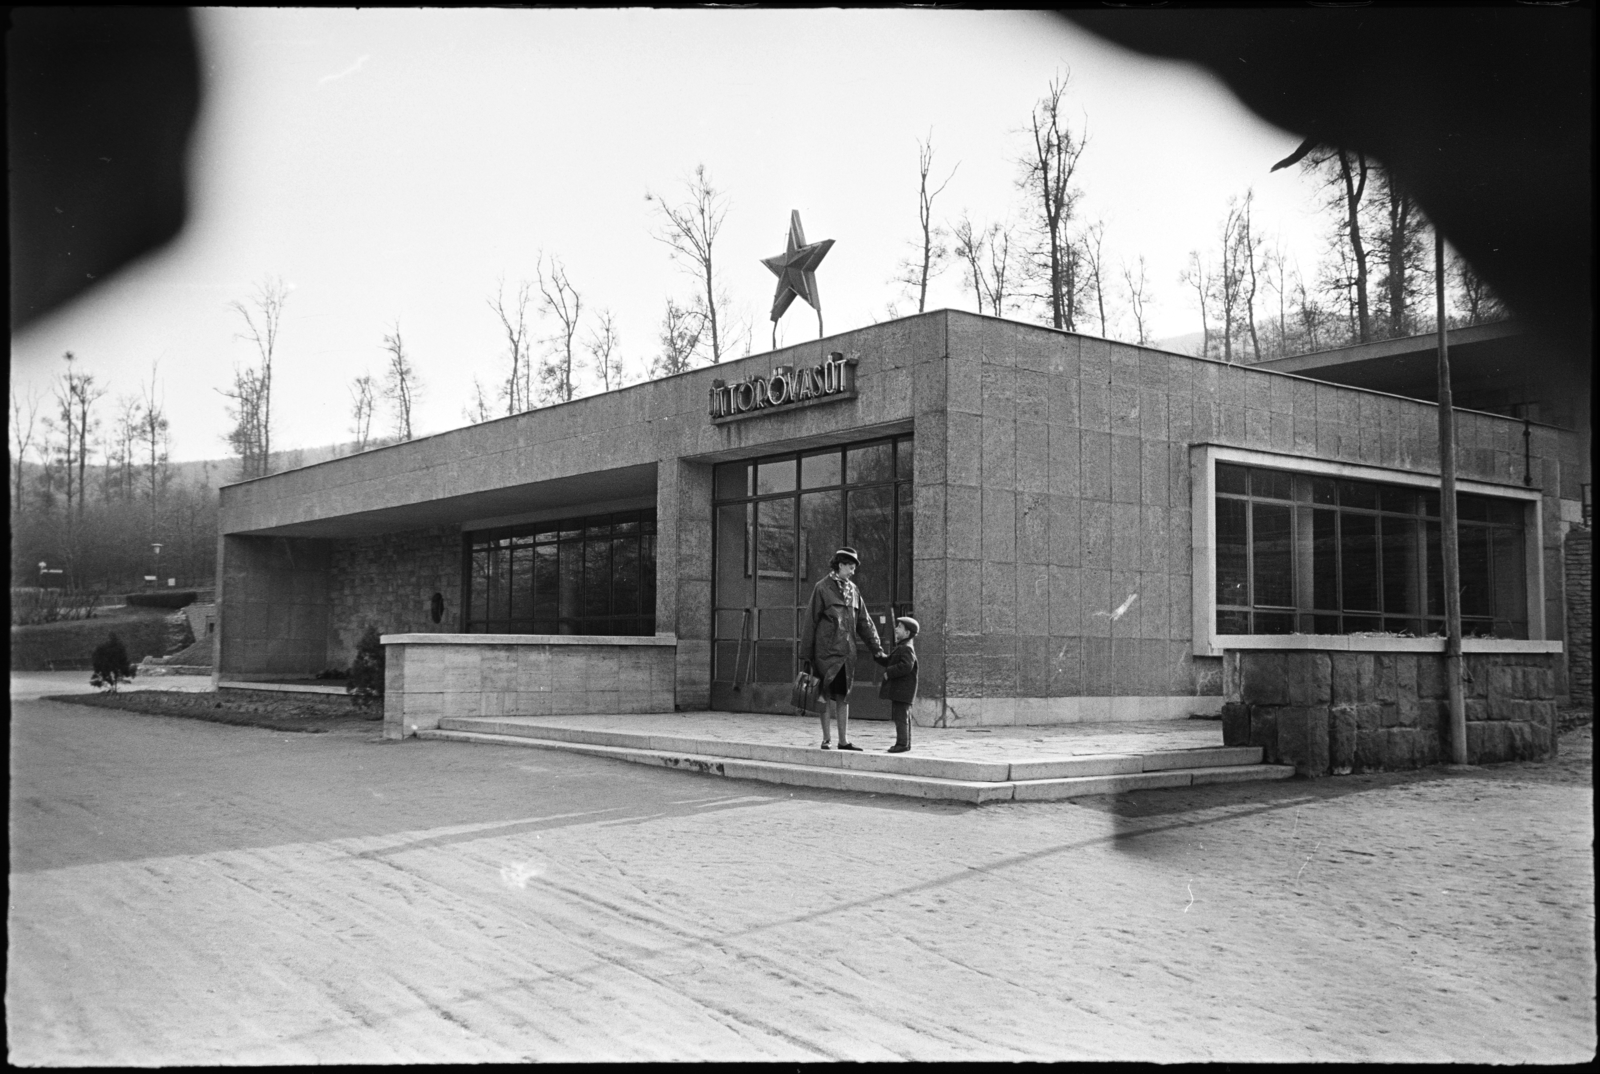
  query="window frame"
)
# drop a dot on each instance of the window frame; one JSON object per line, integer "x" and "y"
{"x": 526, "y": 535}
{"x": 1203, "y": 460}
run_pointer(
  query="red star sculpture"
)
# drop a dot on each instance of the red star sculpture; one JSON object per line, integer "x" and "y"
{"x": 796, "y": 269}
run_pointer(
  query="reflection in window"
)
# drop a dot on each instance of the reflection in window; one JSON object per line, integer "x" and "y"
{"x": 778, "y": 522}
{"x": 1372, "y": 553}
{"x": 577, "y": 576}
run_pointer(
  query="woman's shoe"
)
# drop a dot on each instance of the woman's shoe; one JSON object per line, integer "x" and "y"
{"x": 898, "y": 749}
{"x": 848, "y": 746}
{"x": 827, "y": 746}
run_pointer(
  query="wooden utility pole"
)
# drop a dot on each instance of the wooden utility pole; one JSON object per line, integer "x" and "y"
{"x": 1447, "y": 519}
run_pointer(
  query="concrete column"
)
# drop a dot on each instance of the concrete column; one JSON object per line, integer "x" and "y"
{"x": 683, "y": 573}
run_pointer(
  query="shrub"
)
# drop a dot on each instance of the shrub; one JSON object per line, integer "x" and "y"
{"x": 111, "y": 664}
{"x": 162, "y": 598}
{"x": 365, "y": 677}
{"x": 33, "y": 605}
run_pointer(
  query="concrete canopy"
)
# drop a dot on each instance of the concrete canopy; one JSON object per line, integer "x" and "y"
{"x": 574, "y": 492}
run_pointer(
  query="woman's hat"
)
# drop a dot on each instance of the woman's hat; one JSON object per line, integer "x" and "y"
{"x": 912, "y": 626}
{"x": 847, "y": 553}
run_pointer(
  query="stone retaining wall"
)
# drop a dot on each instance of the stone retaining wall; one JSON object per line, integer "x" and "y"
{"x": 431, "y": 676}
{"x": 1580, "y": 615}
{"x": 1331, "y": 713}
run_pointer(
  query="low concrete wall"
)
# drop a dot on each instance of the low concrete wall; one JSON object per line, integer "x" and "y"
{"x": 430, "y": 676}
{"x": 1334, "y": 712}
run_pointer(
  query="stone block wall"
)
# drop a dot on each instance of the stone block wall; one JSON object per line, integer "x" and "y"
{"x": 1059, "y": 540}
{"x": 388, "y": 581}
{"x": 1580, "y": 615}
{"x": 1332, "y": 713}
{"x": 272, "y": 606}
{"x": 429, "y": 677}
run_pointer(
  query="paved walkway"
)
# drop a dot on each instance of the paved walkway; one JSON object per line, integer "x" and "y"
{"x": 945, "y": 743}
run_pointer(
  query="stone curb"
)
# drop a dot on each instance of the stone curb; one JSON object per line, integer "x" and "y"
{"x": 834, "y": 777}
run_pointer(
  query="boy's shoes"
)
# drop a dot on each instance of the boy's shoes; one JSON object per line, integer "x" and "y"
{"x": 898, "y": 749}
{"x": 848, "y": 746}
{"x": 827, "y": 746}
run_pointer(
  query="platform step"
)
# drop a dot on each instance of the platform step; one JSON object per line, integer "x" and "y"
{"x": 847, "y": 776}
{"x": 913, "y": 764}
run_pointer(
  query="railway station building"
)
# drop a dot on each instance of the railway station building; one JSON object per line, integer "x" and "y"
{"x": 1085, "y": 530}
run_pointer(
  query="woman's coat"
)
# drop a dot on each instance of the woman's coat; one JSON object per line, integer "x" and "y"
{"x": 837, "y": 617}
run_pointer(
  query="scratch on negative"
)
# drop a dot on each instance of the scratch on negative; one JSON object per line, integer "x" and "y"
{"x": 1190, "y": 885}
{"x": 1307, "y": 861}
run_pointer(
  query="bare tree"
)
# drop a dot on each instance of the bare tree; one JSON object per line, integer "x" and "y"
{"x": 1092, "y": 244}
{"x": 690, "y": 231}
{"x": 561, "y": 301}
{"x": 262, "y": 318}
{"x": 998, "y": 247}
{"x": 602, "y": 346}
{"x": 1474, "y": 297}
{"x": 400, "y": 385}
{"x": 987, "y": 259}
{"x": 245, "y": 438}
{"x": 1198, "y": 276}
{"x": 1275, "y": 270}
{"x": 477, "y": 410}
{"x": 679, "y": 338}
{"x": 363, "y": 400}
{"x": 1309, "y": 313}
{"x": 1230, "y": 279}
{"x": 1402, "y": 254}
{"x": 24, "y": 415}
{"x": 75, "y": 395}
{"x": 1247, "y": 254}
{"x": 1137, "y": 285}
{"x": 928, "y": 261}
{"x": 126, "y": 435}
{"x": 1344, "y": 175}
{"x": 514, "y": 321}
{"x": 1047, "y": 174}
{"x": 969, "y": 248}
{"x": 155, "y": 443}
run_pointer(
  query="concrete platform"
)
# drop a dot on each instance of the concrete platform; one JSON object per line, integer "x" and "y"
{"x": 972, "y": 765}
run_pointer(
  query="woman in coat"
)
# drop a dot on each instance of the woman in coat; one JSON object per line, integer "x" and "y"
{"x": 837, "y": 617}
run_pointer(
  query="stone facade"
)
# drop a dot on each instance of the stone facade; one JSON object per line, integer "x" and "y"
{"x": 1579, "y": 565}
{"x": 1054, "y": 525}
{"x": 272, "y": 606}
{"x": 1334, "y": 712}
{"x": 388, "y": 581}
{"x": 430, "y": 676}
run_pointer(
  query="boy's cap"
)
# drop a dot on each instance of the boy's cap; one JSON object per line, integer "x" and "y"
{"x": 912, "y": 626}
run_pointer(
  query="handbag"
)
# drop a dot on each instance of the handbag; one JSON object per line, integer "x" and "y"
{"x": 806, "y": 694}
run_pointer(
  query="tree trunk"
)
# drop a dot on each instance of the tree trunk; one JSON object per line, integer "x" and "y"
{"x": 1355, "y": 186}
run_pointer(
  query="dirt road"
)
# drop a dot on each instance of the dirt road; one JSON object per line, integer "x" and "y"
{"x": 195, "y": 893}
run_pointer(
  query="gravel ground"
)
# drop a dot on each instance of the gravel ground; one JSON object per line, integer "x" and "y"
{"x": 187, "y": 893}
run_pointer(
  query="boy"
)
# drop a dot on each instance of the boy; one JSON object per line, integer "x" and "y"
{"x": 900, "y": 680}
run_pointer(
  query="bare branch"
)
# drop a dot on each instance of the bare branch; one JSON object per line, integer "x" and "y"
{"x": 561, "y": 301}
{"x": 690, "y": 230}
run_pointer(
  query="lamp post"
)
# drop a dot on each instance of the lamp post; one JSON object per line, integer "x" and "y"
{"x": 156, "y": 547}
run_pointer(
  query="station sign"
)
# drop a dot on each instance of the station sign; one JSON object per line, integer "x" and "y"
{"x": 787, "y": 388}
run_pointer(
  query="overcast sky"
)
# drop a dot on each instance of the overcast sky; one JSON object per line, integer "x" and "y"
{"x": 392, "y": 164}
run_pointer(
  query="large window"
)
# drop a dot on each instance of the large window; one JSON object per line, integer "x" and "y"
{"x": 778, "y": 522}
{"x": 594, "y": 575}
{"x": 1313, "y": 554}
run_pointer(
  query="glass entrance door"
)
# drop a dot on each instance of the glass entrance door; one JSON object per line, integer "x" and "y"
{"x": 779, "y": 520}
